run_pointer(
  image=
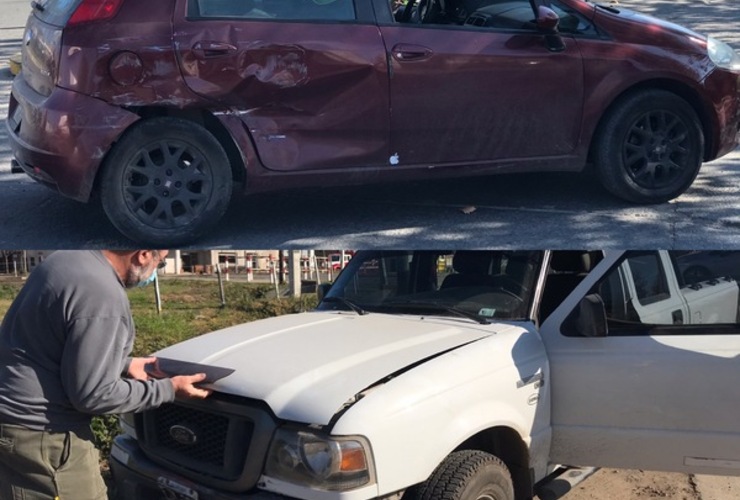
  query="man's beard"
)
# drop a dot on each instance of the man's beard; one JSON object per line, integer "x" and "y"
{"x": 136, "y": 275}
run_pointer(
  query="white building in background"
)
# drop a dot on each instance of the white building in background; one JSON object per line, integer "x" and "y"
{"x": 19, "y": 262}
{"x": 238, "y": 261}
{"x": 185, "y": 262}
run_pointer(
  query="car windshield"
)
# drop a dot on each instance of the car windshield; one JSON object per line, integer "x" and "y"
{"x": 478, "y": 285}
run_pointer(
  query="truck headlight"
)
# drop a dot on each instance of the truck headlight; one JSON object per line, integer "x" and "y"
{"x": 722, "y": 54}
{"x": 319, "y": 461}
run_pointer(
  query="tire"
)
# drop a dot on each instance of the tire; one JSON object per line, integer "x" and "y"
{"x": 468, "y": 475}
{"x": 649, "y": 148}
{"x": 696, "y": 274}
{"x": 166, "y": 182}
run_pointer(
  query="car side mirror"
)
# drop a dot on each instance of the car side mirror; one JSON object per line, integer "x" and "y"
{"x": 322, "y": 290}
{"x": 547, "y": 20}
{"x": 590, "y": 317}
{"x": 547, "y": 24}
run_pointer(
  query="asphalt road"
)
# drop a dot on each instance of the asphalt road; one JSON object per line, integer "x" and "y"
{"x": 511, "y": 211}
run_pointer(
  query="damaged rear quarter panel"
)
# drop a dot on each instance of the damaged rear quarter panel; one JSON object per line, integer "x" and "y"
{"x": 85, "y": 64}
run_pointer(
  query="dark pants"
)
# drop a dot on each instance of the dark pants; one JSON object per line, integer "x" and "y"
{"x": 37, "y": 465}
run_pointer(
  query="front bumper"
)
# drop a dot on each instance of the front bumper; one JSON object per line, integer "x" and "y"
{"x": 724, "y": 88}
{"x": 138, "y": 477}
{"x": 60, "y": 140}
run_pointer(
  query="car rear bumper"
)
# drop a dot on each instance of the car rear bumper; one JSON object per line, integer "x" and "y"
{"x": 138, "y": 477}
{"x": 60, "y": 140}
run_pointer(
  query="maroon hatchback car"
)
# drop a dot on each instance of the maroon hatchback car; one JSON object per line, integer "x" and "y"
{"x": 165, "y": 107}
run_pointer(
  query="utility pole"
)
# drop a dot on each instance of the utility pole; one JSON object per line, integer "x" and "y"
{"x": 294, "y": 273}
{"x": 281, "y": 267}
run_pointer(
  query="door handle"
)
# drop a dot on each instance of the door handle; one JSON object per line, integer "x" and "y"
{"x": 677, "y": 317}
{"x": 407, "y": 52}
{"x": 204, "y": 50}
{"x": 536, "y": 378}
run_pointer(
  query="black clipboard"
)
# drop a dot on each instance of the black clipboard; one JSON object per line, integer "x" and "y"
{"x": 173, "y": 367}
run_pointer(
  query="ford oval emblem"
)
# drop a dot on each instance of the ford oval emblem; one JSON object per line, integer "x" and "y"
{"x": 183, "y": 435}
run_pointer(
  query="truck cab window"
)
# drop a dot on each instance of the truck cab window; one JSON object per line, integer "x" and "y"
{"x": 648, "y": 278}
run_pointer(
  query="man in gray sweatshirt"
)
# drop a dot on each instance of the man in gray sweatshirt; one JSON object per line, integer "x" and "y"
{"x": 64, "y": 347}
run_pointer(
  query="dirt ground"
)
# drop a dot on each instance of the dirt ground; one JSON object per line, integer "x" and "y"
{"x": 612, "y": 484}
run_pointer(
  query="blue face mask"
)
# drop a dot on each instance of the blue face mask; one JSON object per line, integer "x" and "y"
{"x": 149, "y": 280}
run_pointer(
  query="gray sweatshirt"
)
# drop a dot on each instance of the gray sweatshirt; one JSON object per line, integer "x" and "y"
{"x": 64, "y": 345}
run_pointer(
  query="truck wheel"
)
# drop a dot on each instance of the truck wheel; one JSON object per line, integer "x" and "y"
{"x": 649, "y": 148}
{"x": 166, "y": 182}
{"x": 468, "y": 475}
{"x": 695, "y": 274}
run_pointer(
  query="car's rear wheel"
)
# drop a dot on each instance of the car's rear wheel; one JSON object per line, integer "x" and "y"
{"x": 166, "y": 182}
{"x": 649, "y": 148}
{"x": 468, "y": 475}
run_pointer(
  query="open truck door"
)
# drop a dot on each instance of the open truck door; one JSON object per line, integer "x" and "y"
{"x": 636, "y": 391}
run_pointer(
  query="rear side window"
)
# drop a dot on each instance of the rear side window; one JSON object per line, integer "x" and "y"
{"x": 288, "y": 10}
{"x": 55, "y": 12}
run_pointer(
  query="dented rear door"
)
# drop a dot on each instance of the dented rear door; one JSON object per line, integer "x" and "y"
{"x": 308, "y": 78}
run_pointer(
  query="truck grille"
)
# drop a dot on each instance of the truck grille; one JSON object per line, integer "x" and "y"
{"x": 210, "y": 431}
{"x": 216, "y": 442}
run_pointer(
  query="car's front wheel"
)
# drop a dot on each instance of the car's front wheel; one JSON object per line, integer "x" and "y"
{"x": 468, "y": 475}
{"x": 649, "y": 147}
{"x": 166, "y": 182}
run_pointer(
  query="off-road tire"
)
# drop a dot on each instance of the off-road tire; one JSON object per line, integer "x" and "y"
{"x": 468, "y": 475}
{"x": 165, "y": 182}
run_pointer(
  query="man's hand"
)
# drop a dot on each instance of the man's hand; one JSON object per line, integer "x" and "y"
{"x": 137, "y": 369}
{"x": 185, "y": 386}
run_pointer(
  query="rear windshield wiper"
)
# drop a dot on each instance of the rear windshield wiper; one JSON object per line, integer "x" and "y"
{"x": 37, "y": 6}
{"x": 410, "y": 304}
{"x": 351, "y": 305}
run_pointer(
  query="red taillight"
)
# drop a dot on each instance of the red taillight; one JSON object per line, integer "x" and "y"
{"x": 94, "y": 10}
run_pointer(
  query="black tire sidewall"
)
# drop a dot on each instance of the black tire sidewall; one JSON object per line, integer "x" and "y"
{"x": 612, "y": 135}
{"x": 149, "y": 131}
{"x": 465, "y": 475}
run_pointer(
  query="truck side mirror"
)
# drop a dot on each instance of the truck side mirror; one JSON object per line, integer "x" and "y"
{"x": 322, "y": 290}
{"x": 589, "y": 319}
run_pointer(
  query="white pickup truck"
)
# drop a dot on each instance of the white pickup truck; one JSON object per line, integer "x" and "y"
{"x": 457, "y": 375}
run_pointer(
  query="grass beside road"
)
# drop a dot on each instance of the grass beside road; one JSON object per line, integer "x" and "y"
{"x": 190, "y": 307}
{"x": 193, "y": 307}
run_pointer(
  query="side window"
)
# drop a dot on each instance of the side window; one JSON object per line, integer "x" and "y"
{"x": 495, "y": 14}
{"x": 649, "y": 278}
{"x": 571, "y": 22}
{"x": 666, "y": 293}
{"x": 287, "y": 10}
{"x": 489, "y": 14}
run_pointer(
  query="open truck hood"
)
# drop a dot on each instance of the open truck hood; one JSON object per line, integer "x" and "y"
{"x": 306, "y": 366}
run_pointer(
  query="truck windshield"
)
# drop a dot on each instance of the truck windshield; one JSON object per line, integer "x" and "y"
{"x": 480, "y": 285}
